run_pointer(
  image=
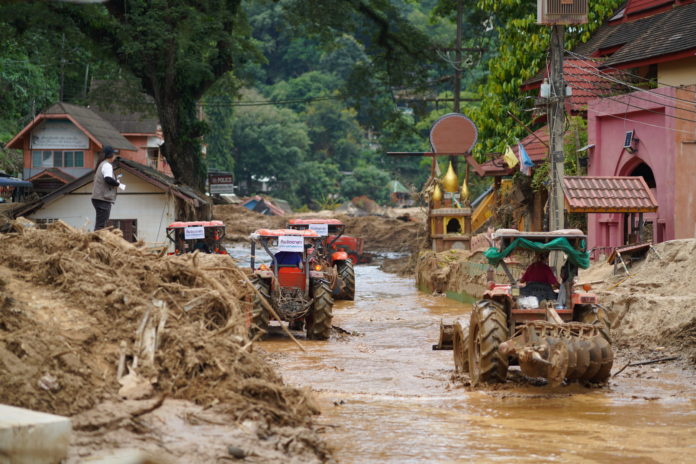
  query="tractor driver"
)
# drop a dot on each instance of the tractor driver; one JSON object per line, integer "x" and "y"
{"x": 539, "y": 279}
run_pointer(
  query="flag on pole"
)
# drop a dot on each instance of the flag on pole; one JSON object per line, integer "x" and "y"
{"x": 510, "y": 157}
{"x": 526, "y": 163}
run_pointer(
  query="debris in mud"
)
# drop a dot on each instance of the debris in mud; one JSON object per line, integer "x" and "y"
{"x": 72, "y": 301}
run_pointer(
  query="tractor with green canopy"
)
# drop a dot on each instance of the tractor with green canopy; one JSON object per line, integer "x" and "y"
{"x": 559, "y": 334}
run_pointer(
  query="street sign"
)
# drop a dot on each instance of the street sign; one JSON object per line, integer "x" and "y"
{"x": 220, "y": 182}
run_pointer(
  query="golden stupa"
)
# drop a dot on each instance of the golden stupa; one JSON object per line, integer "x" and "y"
{"x": 450, "y": 182}
{"x": 437, "y": 193}
{"x": 464, "y": 192}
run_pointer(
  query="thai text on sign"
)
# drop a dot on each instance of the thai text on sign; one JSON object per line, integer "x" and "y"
{"x": 291, "y": 243}
{"x": 320, "y": 229}
{"x": 194, "y": 232}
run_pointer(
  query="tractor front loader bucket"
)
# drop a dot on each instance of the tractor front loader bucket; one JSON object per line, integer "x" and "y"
{"x": 572, "y": 352}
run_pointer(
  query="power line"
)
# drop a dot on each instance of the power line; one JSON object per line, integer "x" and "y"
{"x": 640, "y": 107}
{"x": 639, "y": 122}
{"x": 622, "y": 71}
{"x": 637, "y": 97}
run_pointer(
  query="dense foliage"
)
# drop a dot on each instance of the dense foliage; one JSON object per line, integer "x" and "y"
{"x": 298, "y": 98}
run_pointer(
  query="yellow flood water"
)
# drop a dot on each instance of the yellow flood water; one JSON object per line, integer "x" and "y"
{"x": 387, "y": 397}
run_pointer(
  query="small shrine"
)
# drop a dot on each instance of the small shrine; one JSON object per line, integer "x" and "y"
{"x": 449, "y": 211}
{"x": 449, "y": 214}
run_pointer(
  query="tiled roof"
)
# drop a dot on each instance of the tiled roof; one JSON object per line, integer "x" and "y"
{"x": 586, "y": 194}
{"x": 97, "y": 126}
{"x": 536, "y": 145}
{"x": 583, "y": 77}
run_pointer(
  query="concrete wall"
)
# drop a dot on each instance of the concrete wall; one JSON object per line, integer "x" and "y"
{"x": 152, "y": 207}
{"x": 676, "y": 73}
{"x": 685, "y": 165}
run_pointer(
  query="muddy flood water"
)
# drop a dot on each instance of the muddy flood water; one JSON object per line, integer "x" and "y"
{"x": 387, "y": 397}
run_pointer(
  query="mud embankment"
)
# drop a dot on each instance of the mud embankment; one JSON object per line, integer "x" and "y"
{"x": 654, "y": 307}
{"x": 107, "y": 332}
{"x": 381, "y": 234}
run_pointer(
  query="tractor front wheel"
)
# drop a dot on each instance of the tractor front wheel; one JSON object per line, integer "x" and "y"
{"x": 260, "y": 316}
{"x": 597, "y": 316}
{"x": 318, "y": 322}
{"x": 460, "y": 348}
{"x": 487, "y": 330}
{"x": 346, "y": 273}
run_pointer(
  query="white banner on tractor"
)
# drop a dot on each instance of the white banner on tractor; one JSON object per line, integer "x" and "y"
{"x": 291, "y": 243}
{"x": 320, "y": 229}
{"x": 194, "y": 232}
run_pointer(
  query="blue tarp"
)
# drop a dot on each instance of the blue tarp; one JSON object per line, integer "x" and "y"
{"x": 14, "y": 182}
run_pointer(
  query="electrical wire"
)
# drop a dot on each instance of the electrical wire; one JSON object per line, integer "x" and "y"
{"x": 641, "y": 90}
{"x": 622, "y": 71}
{"x": 640, "y": 107}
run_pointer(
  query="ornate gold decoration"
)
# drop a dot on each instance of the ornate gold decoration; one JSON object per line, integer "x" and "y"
{"x": 464, "y": 192}
{"x": 437, "y": 193}
{"x": 450, "y": 181}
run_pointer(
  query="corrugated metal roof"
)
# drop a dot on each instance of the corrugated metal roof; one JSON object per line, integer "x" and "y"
{"x": 598, "y": 194}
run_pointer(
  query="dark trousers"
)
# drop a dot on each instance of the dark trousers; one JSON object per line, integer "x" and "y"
{"x": 103, "y": 209}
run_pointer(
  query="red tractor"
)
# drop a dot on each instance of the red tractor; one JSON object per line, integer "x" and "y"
{"x": 560, "y": 335}
{"x": 204, "y": 236}
{"x": 294, "y": 283}
{"x": 332, "y": 255}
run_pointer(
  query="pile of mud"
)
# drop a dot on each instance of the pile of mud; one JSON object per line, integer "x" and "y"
{"x": 656, "y": 304}
{"x": 74, "y": 306}
{"x": 380, "y": 233}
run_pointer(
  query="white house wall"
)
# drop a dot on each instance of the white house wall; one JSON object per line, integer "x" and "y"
{"x": 153, "y": 208}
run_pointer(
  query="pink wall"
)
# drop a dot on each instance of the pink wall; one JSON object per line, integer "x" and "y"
{"x": 648, "y": 114}
{"x": 140, "y": 141}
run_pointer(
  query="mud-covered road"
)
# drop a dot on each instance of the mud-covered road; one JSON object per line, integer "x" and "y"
{"x": 386, "y": 397}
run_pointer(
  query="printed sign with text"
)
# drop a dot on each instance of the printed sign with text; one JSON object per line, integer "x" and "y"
{"x": 321, "y": 229}
{"x": 291, "y": 243}
{"x": 194, "y": 232}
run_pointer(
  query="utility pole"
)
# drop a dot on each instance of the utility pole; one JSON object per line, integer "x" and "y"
{"x": 557, "y": 121}
{"x": 457, "y": 69}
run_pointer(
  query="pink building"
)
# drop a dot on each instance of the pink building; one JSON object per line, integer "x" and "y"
{"x": 651, "y": 134}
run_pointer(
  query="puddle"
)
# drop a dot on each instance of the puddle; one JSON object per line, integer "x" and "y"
{"x": 386, "y": 397}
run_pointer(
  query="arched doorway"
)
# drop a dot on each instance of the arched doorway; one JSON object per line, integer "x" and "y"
{"x": 651, "y": 229}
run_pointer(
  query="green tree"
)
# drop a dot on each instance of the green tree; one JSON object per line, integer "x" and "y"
{"x": 219, "y": 115}
{"x": 367, "y": 180}
{"x": 268, "y": 142}
{"x": 314, "y": 182}
{"x": 523, "y": 46}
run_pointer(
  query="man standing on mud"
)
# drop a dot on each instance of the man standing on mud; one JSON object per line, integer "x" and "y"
{"x": 105, "y": 188}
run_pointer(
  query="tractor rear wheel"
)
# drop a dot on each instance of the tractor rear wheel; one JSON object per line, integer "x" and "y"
{"x": 460, "y": 348}
{"x": 487, "y": 330}
{"x": 346, "y": 273}
{"x": 259, "y": 314}
{"x": 318, "y": 321}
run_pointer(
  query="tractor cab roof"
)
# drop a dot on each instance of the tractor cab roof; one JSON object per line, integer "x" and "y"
{"x": 308, "y": 233}
{"x": 302, "y": 222}
{"x": 181, "y": 224}
{"x": 569, "y": 241}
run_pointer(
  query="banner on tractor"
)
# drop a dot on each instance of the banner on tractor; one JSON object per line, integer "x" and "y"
{"x": 320, "y": 229}
{"x": 291, "y": 243}
{"x": 194, "y": 232}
